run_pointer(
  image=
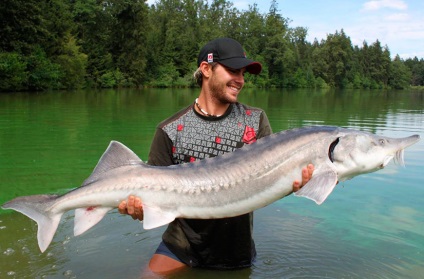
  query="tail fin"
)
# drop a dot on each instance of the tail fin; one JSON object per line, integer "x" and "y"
{"x": 37, "y": 208}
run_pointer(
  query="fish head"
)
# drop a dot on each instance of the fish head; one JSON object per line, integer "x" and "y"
{"x": 355, "y": 153}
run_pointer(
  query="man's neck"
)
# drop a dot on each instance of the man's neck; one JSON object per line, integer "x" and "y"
{"x": 210, "y": 106}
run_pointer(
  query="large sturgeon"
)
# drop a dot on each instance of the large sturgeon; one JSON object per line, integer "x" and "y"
{"x": 228, "y": 185}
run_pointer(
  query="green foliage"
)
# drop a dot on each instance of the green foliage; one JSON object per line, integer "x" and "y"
{"x": 72, "y": 63}
{"x": 167, "y": 75}
{"x": 22, "y": 25}
{"x": 107, "y": 80}
{"x": 114, "y": 79}
{"x": 400, "y": 75}
{"x": 43, "y": 73}
{"x": 128, "y": 38}
{"x": 320, "y": 83}
{"x": 333, "y": 59}
{"x": 13, "y": 75}
{"x": 417, "y": 71}
{"x": 54, "y": 44}
{"x": 276, "y": 52}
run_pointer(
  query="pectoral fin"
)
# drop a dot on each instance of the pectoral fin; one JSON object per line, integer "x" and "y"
{"x": 155, "y": 217}
{"x": 85, "y": 218}
{"x": 320, "y": 186}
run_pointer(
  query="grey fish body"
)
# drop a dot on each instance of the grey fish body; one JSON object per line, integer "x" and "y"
{"x": 228, "y": 185}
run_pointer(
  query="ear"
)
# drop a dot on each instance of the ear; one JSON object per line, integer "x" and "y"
{"x": 206, "y": 69}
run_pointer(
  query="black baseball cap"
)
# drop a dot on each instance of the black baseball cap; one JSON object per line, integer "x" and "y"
{"x": 229, "y": 53}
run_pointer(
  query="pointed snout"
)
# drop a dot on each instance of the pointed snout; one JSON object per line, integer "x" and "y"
{"x": 408, "y": 141}
{"x": 400, "y": 145}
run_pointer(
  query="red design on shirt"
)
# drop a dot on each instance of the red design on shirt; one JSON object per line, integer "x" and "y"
{"x": 180, "y": 127}
{"x": 249, "y": 112}
{"x": 218, "y": 140}
{"x": 174, "y": 149}
{"x": 192, "y": 159}
{"x": 249, "y": 135}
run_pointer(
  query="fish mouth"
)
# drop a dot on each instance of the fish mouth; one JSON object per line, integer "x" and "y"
{"x": 386, "y": 161}
{"x": 399, "y": 155}
{"x": 399, "y": 158}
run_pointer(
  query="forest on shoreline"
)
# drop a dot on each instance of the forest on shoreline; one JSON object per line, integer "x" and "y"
{"x": 56, "y": 44}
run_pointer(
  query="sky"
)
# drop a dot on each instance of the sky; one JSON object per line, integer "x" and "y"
{"x": 398, "y": 24}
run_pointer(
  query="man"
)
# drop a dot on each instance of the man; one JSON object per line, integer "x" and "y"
{"x": 214, "y": 124}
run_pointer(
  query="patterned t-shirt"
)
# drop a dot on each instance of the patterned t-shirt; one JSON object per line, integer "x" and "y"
{"x": 188, "y": 136}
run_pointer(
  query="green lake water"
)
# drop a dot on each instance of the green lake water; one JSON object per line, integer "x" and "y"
{"x": 370, "y": 227}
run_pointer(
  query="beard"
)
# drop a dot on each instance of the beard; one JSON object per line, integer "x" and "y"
{"x": 218, "y": 89}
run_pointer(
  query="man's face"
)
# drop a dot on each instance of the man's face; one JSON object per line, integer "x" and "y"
{"x": 225, "y": 84}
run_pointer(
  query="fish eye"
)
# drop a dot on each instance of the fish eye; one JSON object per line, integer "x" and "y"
{"x": 382, "y": 141}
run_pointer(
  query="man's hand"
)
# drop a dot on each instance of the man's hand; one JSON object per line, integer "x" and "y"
{"x": 132, "y": 207}
{"x": 306, "y": 176}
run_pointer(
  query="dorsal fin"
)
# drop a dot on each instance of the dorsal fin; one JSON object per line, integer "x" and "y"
{"x": 116, "y": 155}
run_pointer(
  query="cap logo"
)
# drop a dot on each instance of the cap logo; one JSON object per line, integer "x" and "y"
{"x": 210, "y": 57}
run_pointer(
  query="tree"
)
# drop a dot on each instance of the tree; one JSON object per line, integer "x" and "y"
{"x": 400, "y": 75}
{"x": 93, "y": 25}
{"x": 128, "y": 39}
{"x": 43, "y": 73}
{"x": 417, "y": 70}
{"x": 252, "y": 31}
{"x": 22, "y": 25}
{"x": 72, "y": 64}
{"x": 378, "y": 60}
{"x": 69, "y": 44}
{"x": 302, "y": 74}
{"x": 174, "y": 39}
{"x": 332, "y": 59}
{"x": 13, "y": 74}
{"x": 277, "y": 54}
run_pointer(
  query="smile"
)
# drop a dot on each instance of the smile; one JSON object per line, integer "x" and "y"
{"x": 234, "y": 88}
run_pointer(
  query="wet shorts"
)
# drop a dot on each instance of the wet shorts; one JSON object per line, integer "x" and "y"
{"x": 163, "y": 250}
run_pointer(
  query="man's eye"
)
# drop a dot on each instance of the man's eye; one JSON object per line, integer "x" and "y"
{"x": 236, "y": 72}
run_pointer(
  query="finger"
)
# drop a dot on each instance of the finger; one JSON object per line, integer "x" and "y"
{"x": 296, "y": 186}
{"x": 130, "y": 205}
{"x": 139, "y": 214}
{"x": 305, "y": 176}
{"x": 122, "y": 207}
{"x": 137, "y": 204}
{"x": 311, "y": 169}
